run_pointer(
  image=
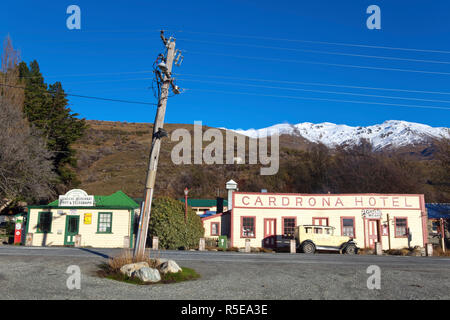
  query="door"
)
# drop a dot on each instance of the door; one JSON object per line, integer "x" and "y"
{"x": 270, "y": 237}
{"x": 373, "y": 232}
{"x": 72, "y": 224}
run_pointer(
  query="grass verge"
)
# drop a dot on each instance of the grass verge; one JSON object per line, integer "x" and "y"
{"x": 111, "y": 270}
{"x": 185, "y": 275}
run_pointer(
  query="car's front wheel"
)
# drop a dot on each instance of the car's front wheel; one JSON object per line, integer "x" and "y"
{"x": 308, "y": 248}
{"x": 350, "y": 249}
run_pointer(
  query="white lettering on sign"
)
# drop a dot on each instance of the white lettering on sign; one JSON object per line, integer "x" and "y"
{"x": 76, "y": 198}
{"x": 299, "y": 201}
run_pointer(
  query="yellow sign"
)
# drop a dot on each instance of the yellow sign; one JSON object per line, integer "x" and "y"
{"x": 87, "y": 218}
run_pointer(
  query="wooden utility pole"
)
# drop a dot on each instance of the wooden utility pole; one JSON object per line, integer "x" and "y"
{"x": 389, "y": 231}
{"x": 158, "y": 133}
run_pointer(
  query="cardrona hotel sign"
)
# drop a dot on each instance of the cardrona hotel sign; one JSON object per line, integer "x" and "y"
{"x": 328, "y": 201}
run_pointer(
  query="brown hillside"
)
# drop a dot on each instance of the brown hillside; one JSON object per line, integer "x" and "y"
{"x": 114, "y": 155}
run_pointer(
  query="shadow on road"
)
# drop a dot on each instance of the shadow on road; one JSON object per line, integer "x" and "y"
{"x": 95, "y": 252}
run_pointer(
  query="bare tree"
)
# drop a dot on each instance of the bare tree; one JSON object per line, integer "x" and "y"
{"x": 25, "y": 165}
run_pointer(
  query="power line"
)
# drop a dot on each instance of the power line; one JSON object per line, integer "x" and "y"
{"x": 313, "y": 83}
{"x": 317, "y": 91}
{"x": 270, "y": 80}
{"x": 316, "y": 42}
{"x": 242, "y": 36}
{"x": 88, "y": 97}
{"x": 316, "y": 51}
{"x": 90, "y": 74}
{"x": 321, "y": 63}
{"x": 104, "y": 81}
{"x": 320, "y": 99}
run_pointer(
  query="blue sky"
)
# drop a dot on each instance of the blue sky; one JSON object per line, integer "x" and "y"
{"x": 275, "y": 43}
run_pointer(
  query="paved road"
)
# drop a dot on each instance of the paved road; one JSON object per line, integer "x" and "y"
{"x": 39, "y": 273}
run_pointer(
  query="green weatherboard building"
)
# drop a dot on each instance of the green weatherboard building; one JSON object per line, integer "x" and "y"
{"x": 77, "y": 218}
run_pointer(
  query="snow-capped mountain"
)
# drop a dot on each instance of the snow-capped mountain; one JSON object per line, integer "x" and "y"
{"x": 391, "y": 133}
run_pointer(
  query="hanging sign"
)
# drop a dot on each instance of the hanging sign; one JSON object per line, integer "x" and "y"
{"x": 76, "y": 198}
{"x": 385, "y": 230}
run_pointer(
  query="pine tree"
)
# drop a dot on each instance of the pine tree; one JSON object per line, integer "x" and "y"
{"x": 46, "y": 107}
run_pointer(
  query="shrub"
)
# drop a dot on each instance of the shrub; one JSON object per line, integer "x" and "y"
{"x": 167, "y": 223}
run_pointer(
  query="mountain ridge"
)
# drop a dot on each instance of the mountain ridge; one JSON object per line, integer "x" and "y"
{"x": 389, "y": 134}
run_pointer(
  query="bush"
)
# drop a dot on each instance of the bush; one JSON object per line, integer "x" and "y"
{"x": 167, "y": 223}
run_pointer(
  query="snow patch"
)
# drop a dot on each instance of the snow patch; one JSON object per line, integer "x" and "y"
{"x": 395, "y": 133}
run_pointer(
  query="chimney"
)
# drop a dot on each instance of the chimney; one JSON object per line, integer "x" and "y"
{"x": 231, "y": 186}
{"x": 219, "y": 205}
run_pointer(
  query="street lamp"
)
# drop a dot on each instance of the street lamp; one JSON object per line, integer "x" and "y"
{"x": 186, "y": 191}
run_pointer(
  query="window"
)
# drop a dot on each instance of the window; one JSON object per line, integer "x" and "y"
{"x": 248, "y": 227}
{"x": 289, "y": 227}
{"x": 318, "y": 230}
{"x": 348, "y": 226}
{"x": 435, "y": 227}
{"x": 401, "y": 227}
{"x": 320, "y": 221}
{"x": 215, "y": 228}
{"x": 44, "y": 224}
{"x": 104, "y": 222}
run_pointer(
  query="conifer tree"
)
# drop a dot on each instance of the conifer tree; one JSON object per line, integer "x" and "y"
{"x": 46, "y": 107}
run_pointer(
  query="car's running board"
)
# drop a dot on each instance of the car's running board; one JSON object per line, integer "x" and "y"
{"x": 327, "y": 248}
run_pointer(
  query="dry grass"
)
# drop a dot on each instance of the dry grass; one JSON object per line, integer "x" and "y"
{"x": 126, "y": 257}
{"x": 365, "y": 251}
{"x": 438, "y": 252}
{"x": 111, "y": 269}
{"x": 398, "y": 252}
{"x": 265, "y": 250}
{"x": 416, "y": 251}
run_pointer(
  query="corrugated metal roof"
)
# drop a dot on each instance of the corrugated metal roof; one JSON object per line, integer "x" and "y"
{"x": 205, "y": 203}
{"x": 207, "y": 214}
{"x": 438, "y": 210}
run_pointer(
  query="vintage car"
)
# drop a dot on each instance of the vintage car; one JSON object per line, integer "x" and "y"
{"x": 311, "y": 238}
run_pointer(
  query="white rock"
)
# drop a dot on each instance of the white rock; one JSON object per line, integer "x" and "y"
{"x": 170, "y": 266}
{"x": 129, "y": 269}
{"x": 160, "y": 261}
{"x": 147, "y": 274}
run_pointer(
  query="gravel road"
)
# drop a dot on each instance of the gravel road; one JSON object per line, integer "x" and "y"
{"x": 40, "y": 273}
